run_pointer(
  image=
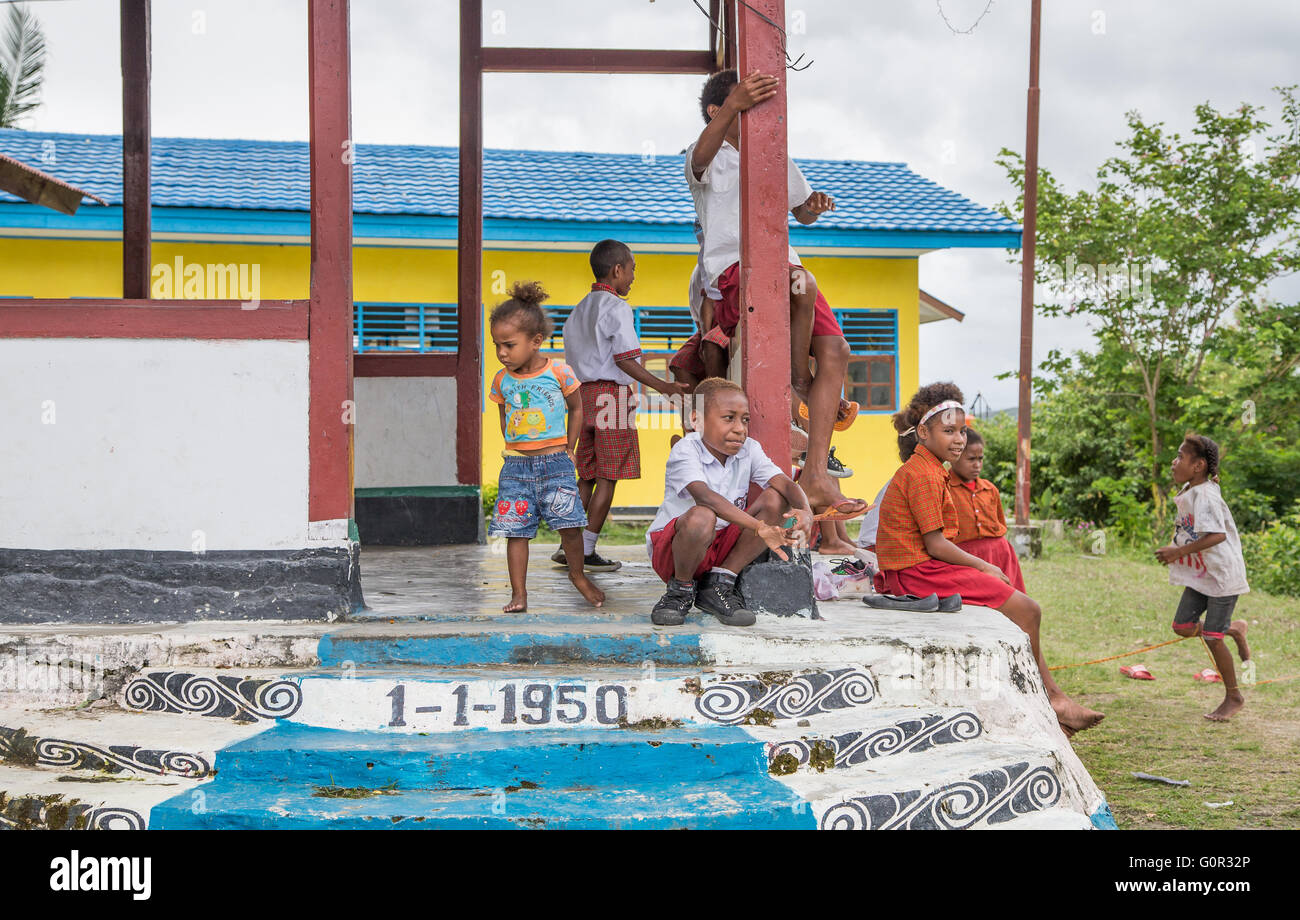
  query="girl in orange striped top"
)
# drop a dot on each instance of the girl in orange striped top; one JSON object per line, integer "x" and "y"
{"x": 918, "y": 521}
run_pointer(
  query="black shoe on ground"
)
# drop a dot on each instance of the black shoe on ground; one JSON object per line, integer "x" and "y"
{"x": 594, "y": 562}
{"x": 591, "y": 563}
{"x": 904, "y": 602}
{"x": 675, "y": 604}
{"x": 719, "y": 597}
{"x": 950, "y": 604}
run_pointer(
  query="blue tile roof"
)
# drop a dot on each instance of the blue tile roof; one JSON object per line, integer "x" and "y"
{"x": 517, "y": 184}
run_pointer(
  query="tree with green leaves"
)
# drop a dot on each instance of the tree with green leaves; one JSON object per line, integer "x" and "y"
{"x": 22, "y": 66}
{"x": 1180, "y": 236}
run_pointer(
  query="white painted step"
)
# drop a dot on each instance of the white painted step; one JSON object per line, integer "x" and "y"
{"x": 43, "y": 799}
{"x": 980, "y": 784}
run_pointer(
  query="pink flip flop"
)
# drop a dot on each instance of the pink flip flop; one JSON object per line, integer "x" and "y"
{"x": 1137, "y": 672}
{"x": 1209, "y": 675}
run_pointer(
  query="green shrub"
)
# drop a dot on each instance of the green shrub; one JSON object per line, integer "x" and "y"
{"x": 1273, "y": 556}
{"x": 489, "y": 498}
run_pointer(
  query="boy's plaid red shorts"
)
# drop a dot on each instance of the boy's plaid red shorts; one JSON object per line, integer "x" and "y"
{"x": 609, "y": 446}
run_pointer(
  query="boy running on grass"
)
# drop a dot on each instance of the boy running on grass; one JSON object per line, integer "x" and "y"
{"x": 713, "y": 175}
{"x": 705, "y": 529}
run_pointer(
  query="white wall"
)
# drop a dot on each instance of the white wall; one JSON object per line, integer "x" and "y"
{"x": 150, "y": 441}
{"x": 405, "y": 432}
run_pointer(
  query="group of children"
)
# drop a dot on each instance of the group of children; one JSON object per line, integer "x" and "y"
{"x": 570, "y": 434}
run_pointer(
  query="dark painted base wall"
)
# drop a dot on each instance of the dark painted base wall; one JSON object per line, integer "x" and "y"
{"x": 418, "y": 520}
{"x": 139, "y": 586}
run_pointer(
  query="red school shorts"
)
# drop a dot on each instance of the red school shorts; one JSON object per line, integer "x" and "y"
{"x": 935, "y": 576}
{"x": 661, "y": 544}
{"x": 608, "y": 445}
{"x": 688, "y": 356}
{"x": 727, "y": 312}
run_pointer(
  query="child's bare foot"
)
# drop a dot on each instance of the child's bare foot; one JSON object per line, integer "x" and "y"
{"x": 1231, "y": 705}
{"x": 587, "y": 588}
{"x": 518, "y": 604}
{"x": 836, "y": 548}
{"x": 1073, "y": 717}
{"x": 823, "y": 493}
{"x": 1238, "y": 632}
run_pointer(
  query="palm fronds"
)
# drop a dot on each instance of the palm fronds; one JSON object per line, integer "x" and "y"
{"x": 22, "y": 63}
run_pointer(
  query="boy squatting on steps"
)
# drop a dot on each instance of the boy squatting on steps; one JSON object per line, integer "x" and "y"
{"x": 705, "y": 530}
{"x": 537, "y": 476}
{"x": 1205, "y": 557}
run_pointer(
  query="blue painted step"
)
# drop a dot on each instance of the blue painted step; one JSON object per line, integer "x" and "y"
{"x": 362, "y": 646}
{"x": 663, "y": 804}
{"x": 490, "y": 759}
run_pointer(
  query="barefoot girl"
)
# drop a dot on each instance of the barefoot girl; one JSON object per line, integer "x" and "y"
{"x": 1206, "y": 559}
{"x": 918, "y": 521}
{"x": 538, "y": 478}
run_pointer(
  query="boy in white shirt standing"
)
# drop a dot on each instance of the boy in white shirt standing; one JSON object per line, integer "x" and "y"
{"x": 713, "y": 175}
{"x": 602, "y": 348}
{"x": 705, "y": 528}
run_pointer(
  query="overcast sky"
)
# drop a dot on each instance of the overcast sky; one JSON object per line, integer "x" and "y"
{"x": 889, "y": 81}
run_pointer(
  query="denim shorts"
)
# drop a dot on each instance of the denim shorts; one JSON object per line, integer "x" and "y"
{"x": 1217, "y": 610}
{"x": 545, "y": 487}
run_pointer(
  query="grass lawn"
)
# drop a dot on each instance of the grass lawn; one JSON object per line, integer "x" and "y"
{"x": 1096, "y": 607}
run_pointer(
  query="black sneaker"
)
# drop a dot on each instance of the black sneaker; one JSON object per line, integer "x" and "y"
{"x": 849, "y": 567}
{"x": 720, "y": 598}
{"x": 675, "y": 604}
{"x": 592, "y": 563}
{"x": 835, "y": 467}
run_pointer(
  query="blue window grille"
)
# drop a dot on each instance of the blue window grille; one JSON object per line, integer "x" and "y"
{"x": 870, "y": 332}
{"x": 379, "y": 326}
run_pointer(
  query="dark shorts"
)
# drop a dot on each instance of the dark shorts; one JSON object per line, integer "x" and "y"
{"x": 727, "y": 311}
{"x": 545, "y": 487}
{"x": 1217, "y": 610}
{"x": 661, "y": 556}
{"x": 609, "y": 446}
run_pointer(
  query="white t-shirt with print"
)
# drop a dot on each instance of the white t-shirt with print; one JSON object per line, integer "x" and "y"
{"x": 1219, "y": 571}
{"x": 716, "y": 194}
{"x": 690, "y": 461}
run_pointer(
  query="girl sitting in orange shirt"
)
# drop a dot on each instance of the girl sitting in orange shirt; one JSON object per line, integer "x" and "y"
{"x": 981, "y": 522}
{"x": 918, "y": 520}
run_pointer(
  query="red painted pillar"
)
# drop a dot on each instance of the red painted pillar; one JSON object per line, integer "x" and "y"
{"x": 764, "y": 237}
{"x": 331, "y": 413}
{"x": 136, "y": 221}
{"x": 469, "y": 258}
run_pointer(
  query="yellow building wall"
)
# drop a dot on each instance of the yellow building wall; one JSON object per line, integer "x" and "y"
{"x": 92, "y": 268}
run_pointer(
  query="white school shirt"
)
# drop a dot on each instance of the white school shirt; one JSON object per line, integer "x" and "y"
{"x": 716, "y": 194}
{"x": 871, "y": 523}
{"x": 599, "y": 331}
{"x": 1219, "y": 571}
{"x": 691, "y": 461}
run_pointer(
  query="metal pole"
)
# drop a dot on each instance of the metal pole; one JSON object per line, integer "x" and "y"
{"x": 1027, "y": 274}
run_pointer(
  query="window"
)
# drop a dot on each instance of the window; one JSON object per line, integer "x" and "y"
{"x": 873, "y": 363}
{"x": 870, "y": 382}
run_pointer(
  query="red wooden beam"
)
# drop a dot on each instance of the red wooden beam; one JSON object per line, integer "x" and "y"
{"x": 593, "y": 60}
{"x": 135, "y": 149}
{"x": 329, "y": 496}
{"x": 152, "y": 319}
{"x": 370, "y": 365}
{"x": 469, "y": 257}
{"x": 764, "y": 238}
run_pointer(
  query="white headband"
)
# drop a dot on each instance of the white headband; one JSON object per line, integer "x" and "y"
{"x": 946, "y": 404}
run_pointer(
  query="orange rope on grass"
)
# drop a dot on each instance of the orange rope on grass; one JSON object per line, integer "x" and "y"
{"x": 1079, "y": 664}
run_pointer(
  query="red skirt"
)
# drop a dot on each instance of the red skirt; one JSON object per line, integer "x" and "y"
{"x": 943, "y": 578}
{"x": 727, "y": 311}
{"x": 1000, "y": 552}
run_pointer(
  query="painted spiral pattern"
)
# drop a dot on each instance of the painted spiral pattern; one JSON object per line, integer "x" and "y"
{"x": 910, "y": 736}
{"x": 225, "y": 697}
{"x": 993, "y": 797}
{"x": 819, "y": 691}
